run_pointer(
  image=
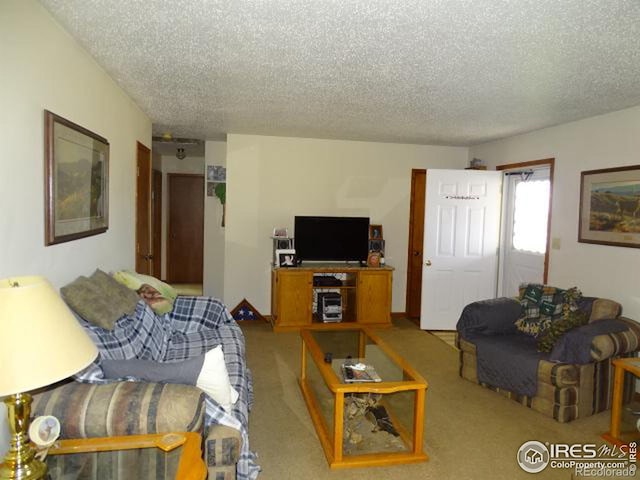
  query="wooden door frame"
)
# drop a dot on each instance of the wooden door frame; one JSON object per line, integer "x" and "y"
{"x": 156, "y": 221}
{"x": 410, "y": 245}
{"x": 141, "y": 146}
{"x": 533, "y": 163}
{"x": 168, "y": 236}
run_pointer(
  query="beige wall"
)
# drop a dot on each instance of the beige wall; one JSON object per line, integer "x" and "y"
{"x": 272, "y": 179}
{"x": 44, "y": 68}
{"x": 214, "y": 232}
{"x": 605, "y": 141}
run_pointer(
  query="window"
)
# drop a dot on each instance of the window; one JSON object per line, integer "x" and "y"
{"x": 531, "y": 211}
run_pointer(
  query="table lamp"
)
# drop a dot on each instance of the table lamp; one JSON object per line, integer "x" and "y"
{"x": 41, "y": 342}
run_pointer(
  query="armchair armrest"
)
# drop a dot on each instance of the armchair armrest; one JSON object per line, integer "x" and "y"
{"x": 618, "y": 343}
{"x": 495, "y": 316}
{"x": 597, "y": 341}
{"x": 122, "y": 408}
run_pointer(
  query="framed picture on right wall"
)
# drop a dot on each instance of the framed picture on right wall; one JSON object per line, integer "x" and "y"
{"x": 610, "y": 206}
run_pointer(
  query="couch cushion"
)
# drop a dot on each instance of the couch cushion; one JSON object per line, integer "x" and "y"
{"x": 99, "y": 299}
{"x": 509, "y": 362}
{"x": 114, "y": 291}
{"x": 122, "y": 408}
{"x": 603, "y": 308}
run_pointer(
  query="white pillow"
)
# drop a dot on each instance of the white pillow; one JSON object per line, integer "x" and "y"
{"x": 214, "y": 379}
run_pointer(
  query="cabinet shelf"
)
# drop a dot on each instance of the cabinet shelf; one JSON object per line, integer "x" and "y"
{"x": 365, "y": 296}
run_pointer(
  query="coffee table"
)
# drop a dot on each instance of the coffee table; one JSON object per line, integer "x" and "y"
{"x": 347, "y": 416}
{"x": 130, "y": 457}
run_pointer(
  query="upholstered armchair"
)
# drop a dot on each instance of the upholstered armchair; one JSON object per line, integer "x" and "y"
{"x": 573, "y": 380}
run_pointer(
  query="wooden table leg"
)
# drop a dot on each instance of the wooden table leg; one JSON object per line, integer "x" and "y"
{"x": 616, "y": 402}
{"x": 418, "y": 421}
{"x": 338, "y": 427}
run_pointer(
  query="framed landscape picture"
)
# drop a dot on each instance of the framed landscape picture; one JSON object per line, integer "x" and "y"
{"x": 76, "y": 181}
{"x": 610, "y": 206}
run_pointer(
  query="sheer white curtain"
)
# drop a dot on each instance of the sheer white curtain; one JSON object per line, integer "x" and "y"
{"x": 530, "y": 216}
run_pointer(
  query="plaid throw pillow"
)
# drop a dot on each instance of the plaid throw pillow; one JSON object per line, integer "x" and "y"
{"x": 571, "y": 318}
{"x": 541, "y": 305}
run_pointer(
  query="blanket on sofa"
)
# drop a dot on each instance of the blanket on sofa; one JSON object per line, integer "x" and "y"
{"x": 575, "y": 345}
{"x": 194, "y": 326}
{"x": 509, "y": 362}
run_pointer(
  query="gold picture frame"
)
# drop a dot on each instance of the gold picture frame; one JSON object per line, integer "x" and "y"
{"x": 76, "y": 181}
{"x": 610, "y": 206}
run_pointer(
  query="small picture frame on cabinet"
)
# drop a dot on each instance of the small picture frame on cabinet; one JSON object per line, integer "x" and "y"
{"x": 287, "y": 258}
{"x": 373, "y": 259}
{"x": 375, "y": 232}
{"x": 376, "y": 245}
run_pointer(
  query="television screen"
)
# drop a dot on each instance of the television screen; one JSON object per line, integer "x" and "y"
{"x": 331, "y": 238}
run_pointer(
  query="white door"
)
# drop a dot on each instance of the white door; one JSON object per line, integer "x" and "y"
{"x": 524, "y": 242}
{"x": 461, "y": 239}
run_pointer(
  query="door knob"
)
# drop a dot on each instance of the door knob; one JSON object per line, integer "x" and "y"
{"x": 428, "y": 263}
{"x": 416, "y": 253}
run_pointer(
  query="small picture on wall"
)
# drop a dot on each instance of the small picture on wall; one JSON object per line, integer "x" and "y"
{"x": 216, "y": 173}
{"x": 375, "y": 232}
{"x": 287, "y": 258}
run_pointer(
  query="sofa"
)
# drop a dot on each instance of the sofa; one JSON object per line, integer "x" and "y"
{"x": 92, "y": 405}
{"x": 573, "y": 379}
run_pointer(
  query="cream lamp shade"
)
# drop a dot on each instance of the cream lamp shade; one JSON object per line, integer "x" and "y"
{"x": 41, "y": 342}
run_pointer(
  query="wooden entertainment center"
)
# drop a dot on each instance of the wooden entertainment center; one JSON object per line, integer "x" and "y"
{"x": 365, "y": 294}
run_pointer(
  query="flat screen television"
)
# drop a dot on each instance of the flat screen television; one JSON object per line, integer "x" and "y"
{"x": 331, "y": 238}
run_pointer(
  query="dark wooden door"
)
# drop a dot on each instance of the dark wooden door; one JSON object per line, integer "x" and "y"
{"x": 156, "y": 207}
{"x": 185, "y": 228}
{"x": 143, "y": 210}
{"x": 416, "y": 237}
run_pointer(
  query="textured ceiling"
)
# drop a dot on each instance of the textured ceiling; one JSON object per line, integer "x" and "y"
{"x": 447, "y": 72}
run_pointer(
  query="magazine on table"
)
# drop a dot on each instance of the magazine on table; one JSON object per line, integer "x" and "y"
{"x": 359, "y": 372}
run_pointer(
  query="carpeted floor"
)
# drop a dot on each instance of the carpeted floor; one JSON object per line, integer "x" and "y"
{"x": 470, "y": 432}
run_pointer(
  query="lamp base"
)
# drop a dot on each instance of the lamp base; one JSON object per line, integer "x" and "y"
{"x": 20, "y": 462}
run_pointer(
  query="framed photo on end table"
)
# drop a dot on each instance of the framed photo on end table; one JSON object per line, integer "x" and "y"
{"x": 76, "y": 181}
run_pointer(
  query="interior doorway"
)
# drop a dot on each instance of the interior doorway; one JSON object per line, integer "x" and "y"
{"x": 156, "y": 215}
{"x": 144, "y": 247}
{"x": 185, "y": 228}
{"x": 416, "y": 238}
{"x": 526, "y": 213}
